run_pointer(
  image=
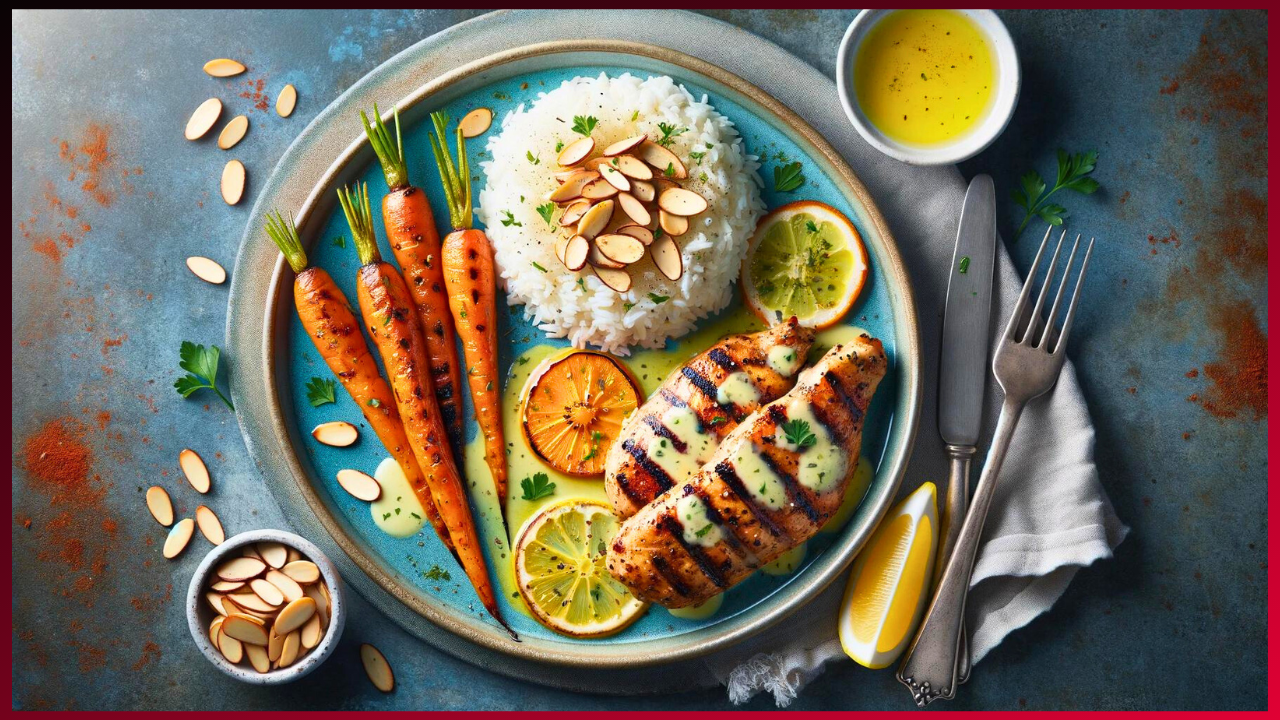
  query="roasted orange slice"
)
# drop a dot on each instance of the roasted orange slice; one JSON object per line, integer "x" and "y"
{"x": 573, "y": 409}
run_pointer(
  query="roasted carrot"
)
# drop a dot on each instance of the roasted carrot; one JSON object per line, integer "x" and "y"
{"x": 411, "y": 232}
{"x": 389, "y": 317}
{"x": 469, "y": 279}
{"x": 327, "y": 318}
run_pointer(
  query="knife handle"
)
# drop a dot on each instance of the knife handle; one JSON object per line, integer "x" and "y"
{"x": 952, "y": 518}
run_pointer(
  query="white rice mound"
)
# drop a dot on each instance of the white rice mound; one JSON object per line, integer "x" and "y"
{"x": 590, "y": 313}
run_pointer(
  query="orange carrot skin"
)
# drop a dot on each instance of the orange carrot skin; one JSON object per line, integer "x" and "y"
{"x": 389, "y": 316}
{"x": 327, "y": 318}
{"x": 470, "y": 279}
{"x": 411, "y": 231}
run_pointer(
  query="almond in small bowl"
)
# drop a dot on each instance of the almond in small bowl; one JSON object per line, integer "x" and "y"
{"x": 276, "y": 626}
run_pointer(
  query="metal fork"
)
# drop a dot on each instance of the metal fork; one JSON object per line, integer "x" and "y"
{"x": 1028, "y": 361}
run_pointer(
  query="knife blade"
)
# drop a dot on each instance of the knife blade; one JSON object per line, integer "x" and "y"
{"x": 966, "y": 322}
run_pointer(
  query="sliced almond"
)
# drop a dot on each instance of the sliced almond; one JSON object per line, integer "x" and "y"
{"x": 258, "y": 657}
{"x": 302, "y": 571}
{"x": 377, "y": 668}
{"x": 598, "y": 189}
{"x": 633, "y": 168}
{"x": 595, "y": 219}
{"x": 207, "y": 270}
{"x": 289, "y": 649}
{"x": 215, "y": 602}
{"x": 682, "y": 202}
{"x": 619, "y": 280}
{"x": 575, "y": 152}
{"x": 214, "y": 628}
{"x": 223, "y": 67}
{"x": 673, "y": 225}
{"x": 663, "y": 160}
{"x": 203, "y": 119}
{"x": 666, "y": 256}
{"x": 160, "y": 505}
{"x": 231, "y": 648}
{"x": 275, "y": 643}
{"x": 662, "y": 184}
{"x": 193, "y": 467}
{"x": 293, "y": 555}
{"x": 269, "y": 593}
{"x": 337, "y": 433}
{"x": 287, "y": 586}
{"x": 595, "y": 163}
{"x": 245, "y": 629}
{"x": 615, "y": 178}
{"x": 476, "y": 122}
{"x": 575, "y": 252}
{"x": 639, "y": 232}
{"x": 359, "y": 485}
{"x": 620, "y": 248}
{"x": 623, "y": 146}
{"x": 248, "y": 603}
{"x": 250, "y": 551}
{"x": 273, "y": 553}
{"x": 226, "y": 586}
{"x": 233, "y": 132}
{"x": 179, "y": 536}
{"x": 286, "y": 101}
{"x": 233, "y": 182}
{"x": 209, "y": 525}
{"x": 241, "y": 568}
{"x": 295, "y": 614}
{"x": 643, "y": 191}
{"x": 314, "y": 592}
{"x": 311, "y": 632}
{"x": 572, "y": 187}
{"x": 600, "y": 260}
{"x": 634, "y": 208}
{"x": 561, "y": 242}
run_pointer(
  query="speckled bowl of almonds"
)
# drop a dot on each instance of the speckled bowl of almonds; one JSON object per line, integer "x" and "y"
{"x": 266, "y": 607}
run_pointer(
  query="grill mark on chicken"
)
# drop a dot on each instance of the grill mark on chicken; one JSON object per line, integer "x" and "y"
{"x": 729, "y": 476}
{"x": 668, "y": 574}
{"x": 672, "y": 527}
{"x": 624, "y": 483}
{"x": 731, "y": 538}
{"x": 641, "y": 456}
{"x": 849, "y": 402}
{"x": 672, "y": 398}
{"x": 705, "y": 386}
{"x": 795, "y": 492}
{"x": 663, "y": 431}
{"x": 721, "y": 358}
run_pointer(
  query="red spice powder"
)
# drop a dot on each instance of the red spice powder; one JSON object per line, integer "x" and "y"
{"x": 91, "y": 157}
{"x": 261, "y": 101}
{"x": 1239, "y": 377}
{"x": 150, "y": 651}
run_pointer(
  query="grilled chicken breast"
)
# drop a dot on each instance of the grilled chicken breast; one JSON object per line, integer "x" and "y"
{"x": 773, "y": 482}
{"x": 669, "y": 437}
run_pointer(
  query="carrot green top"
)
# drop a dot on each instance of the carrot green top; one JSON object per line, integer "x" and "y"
{"x": 355, "y": 205}
{"x": 391, "y": 155}
{"x": 456, "y": 179}
{"x": 285, "y": 236}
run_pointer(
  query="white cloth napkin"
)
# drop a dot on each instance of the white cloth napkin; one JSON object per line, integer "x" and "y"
{"x": 1050, "y": 515}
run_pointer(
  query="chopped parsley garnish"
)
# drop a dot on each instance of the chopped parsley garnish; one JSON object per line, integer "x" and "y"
{"x": 964, "y": 264}
{"x": 582, "y": 284}
{"x": 670, "y": 171}
{"x": 436, "y": 573}
{"x": 703, "y": 530}
{"x": 547, "y": 210}
{"x": 320, "y": 391}
{"x": 787, "y": 177}
{"x": 811, "y": 226}
{"x": 537, "y": 267}
{"x": 374, "y": 402}
{"x": 657, "y": 233}
{"x": 697, "y": 156}
{"x": 716, "y": 421}
{"x": 584, "y": 125}
{"x": 559, "y": 145}
{"x": 340, "y": 241}
{"x": 628, "y": 305}
{"x": 510, "y": 220}
{"x": 658, "y": 299}
{"x": 669, "y": 132}
{"x": 635, "y": 115}
{"x": 536, "y": 487}
{"x": 798, "y": 433}
{"x": 533, "y": 159}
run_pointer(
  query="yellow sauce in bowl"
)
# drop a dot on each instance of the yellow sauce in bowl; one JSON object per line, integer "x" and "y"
{"x": 924, "y": 77}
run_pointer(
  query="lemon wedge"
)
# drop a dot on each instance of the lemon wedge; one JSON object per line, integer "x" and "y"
{"x": 887, "y": 589}
{"x": 560, "y": 569}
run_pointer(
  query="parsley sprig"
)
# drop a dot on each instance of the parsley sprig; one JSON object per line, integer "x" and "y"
{"x": 320, "y": 391}
{"x": 202, "y": 370}
{"x": 798, "y": 433}
{"x": 669, "y": 133}
{"x": 583, "y": 125}
{"x": 1073, "y": 174}
{"x": 537, "y": 487}
{"x": 788, "y": 177}
{"x": 547, "y": 211}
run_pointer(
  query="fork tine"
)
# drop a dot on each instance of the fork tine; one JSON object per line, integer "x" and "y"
{"x": 1021, "y": 306}
{"x": 1075, "y": 297}
{"x": 1028, "y": 337}
{"x": 1057, "y": 299}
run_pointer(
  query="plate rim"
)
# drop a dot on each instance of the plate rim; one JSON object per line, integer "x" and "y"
{"x": 642, "y": 653}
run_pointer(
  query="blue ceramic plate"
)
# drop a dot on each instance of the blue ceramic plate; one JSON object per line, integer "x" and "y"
{"x": 405, "y": 568}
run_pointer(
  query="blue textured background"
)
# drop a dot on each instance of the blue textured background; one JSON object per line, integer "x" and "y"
{"x": 1174, "y": 101}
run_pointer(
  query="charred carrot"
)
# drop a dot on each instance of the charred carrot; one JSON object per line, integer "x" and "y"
{"x": 469, "y": 279}
{"x": 411, "y": 232}
{"x": 327, "y": 318}
{"x": 389, "y": 317}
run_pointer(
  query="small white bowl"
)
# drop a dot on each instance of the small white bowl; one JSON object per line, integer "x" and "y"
{"x": 1008, "y": 83}
{"x": 200, "y": 614}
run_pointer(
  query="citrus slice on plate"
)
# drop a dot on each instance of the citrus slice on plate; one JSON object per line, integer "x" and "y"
{"x": 807, "y": 260}
{"x": 573, "y": 409}
{"x": 887, "y": 589}
{"x": 560, "y": 569}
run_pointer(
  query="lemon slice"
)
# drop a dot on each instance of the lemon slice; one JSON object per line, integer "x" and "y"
{"x": 807, "y": 260}
{"x": 887, "y": 589}
{"x": 560, "y": 568}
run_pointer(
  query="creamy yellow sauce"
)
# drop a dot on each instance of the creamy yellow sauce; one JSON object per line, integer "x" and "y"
{"x": 822, "y": 463}
{"x": 924, "y": 77}
{"x": 699, "y": 444}
{"x": 397, "y": 511}
{"x": 737, "y": 389}
{"x": 784, "y": 360}
{"x": 853, "y": 494}
{"x": 787, "y": 562}
{"x": 701, "y": 611}
{"x": 697, "y": 527}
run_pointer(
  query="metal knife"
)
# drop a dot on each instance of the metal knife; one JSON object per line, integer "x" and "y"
{"x": 962, "y": 374}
